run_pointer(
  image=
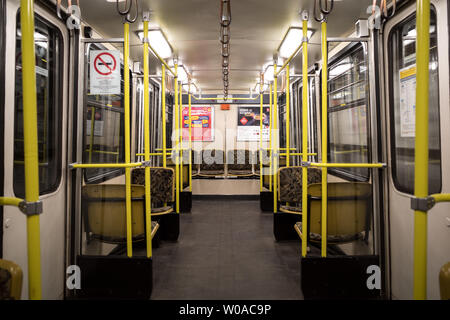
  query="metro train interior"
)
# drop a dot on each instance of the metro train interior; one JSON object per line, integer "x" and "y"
{"x": 224, "y": 150}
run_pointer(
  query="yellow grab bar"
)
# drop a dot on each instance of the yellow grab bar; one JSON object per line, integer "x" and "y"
{"x": 190, "y": 142}
{"x": 347, "y": 165}
{"x": 106, "y": 165}
{"x": 305, "y": 137}
{"x": 421, "y": 147}
{"x": 176, "y": 146}
{"x": 163, "y": 98}
{"x": 31, "y": 146}
{"x": 260, "y": 134}
{"x": 441, "y": 197}
{"x": 286, "y": 63}
{"x": 276, "y": 141}
{"x": 225, "y": 99}
{"x": 148, "y": 202}
{"x": 324, "y": 137}
{"x": 7, "y": 201}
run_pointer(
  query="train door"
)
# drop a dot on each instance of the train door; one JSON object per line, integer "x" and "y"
{"x": 51, "y": 50}
{"x": 400, "y": 74}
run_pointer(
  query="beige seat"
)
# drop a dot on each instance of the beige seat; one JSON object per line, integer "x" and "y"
{"x": 11, "y": 277}
{"x": 290, "y": 187}
{"x": 444, "y": 281}
{"x": 162, "y": 188}
{"x": 348, "y": 215}
{"x": 104, "y": 213}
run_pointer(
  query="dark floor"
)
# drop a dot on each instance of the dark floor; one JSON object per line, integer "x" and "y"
{"x": 226, "y": 250}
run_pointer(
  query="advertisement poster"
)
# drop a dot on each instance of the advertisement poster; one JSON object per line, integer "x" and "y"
{"x": 408, "y": 102}
{"x": 248, "y": 123}
{"x": 202, "y": 123}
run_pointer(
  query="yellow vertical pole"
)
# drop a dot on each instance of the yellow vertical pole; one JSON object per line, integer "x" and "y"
{"x": 421, "y": 146}
{"x": 288, "y": 119}
{"x": 163, "y": 98}
{"x": 175, "y": 144}
{"x": 30, "y": 146}
{"x": 324, "y": 136}
{"x": 180, "y": 106}
{"x": 260, "y": 134}
{"x": 126, "y": 85}
{"x": 270, "y": 137}
{"x": 190, "y": 143}
{"x": 276, "y": 140}
{"x": 148, "y": 202}
{"x": 305, "y": 139}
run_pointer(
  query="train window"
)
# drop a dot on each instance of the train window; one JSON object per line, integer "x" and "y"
{"x": 402, "y": 54}
{"x": 104, "y": 130}
{"x": 348, "y": 113}
{"x": 48, "y": 52}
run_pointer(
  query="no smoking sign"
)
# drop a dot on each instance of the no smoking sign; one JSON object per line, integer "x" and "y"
{"x": 104, "y": 72}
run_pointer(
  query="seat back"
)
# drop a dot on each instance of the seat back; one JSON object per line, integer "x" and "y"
{"x": 104, "y": 211}
{"x": 212, "y": 160}
{"x": 239, "y": 159}
{"x": 444, "y": 281}
{"x": 290, "y": 182}
{"x": 11, "y": 277}
{"x": 162, "y": 187}
{"x": 349, "y": 208}
{"x": 265, "y": 157}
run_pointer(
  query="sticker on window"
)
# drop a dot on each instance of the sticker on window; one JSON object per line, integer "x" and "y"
{"x": 407, "y": 78}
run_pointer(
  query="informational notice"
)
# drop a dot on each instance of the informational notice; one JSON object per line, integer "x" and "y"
{"x": 248, "y": 123}
{"x": 104, "y": 72}
{"x": 202, "y": 123}
{"x": 97, "y": 125}
{"x": 407, "y": 78}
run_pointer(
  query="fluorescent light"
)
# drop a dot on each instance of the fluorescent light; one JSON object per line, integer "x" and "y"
{"x": 193, "y": 88}
{"x": 340, "y": 69}
{"x": 292, "y": 41}
{"x": 158, "y": 42}
{"x": 268, "y": 73}
{"x": 258, "y": 87}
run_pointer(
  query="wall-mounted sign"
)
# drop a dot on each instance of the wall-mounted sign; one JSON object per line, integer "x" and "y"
{"x": 202, "y": 123}
{"x": 104, "y": 72}
{"x": 248, "y": 123}
{"x": 407, "y": 78}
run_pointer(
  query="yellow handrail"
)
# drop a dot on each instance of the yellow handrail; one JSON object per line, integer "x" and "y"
{"x": 180, "y": 133}
{"x": 276, "y": 141}
{"x": 347, "y": 165}
{"x": 126, "y": 97}
{"x": 225, "y": 99}
{"x": 441, "y": 197}
{"x": 324, "y": 138}
{"x": 163, "y": 98}
{"x": 7, "y": 201}
{"x": 148, "y": 203}
{"x": 288, "y": 119}
{"x": 270, "y": 136}
{"x": 305, "y": 138}
{"x": 30, "y": 146}
{"x": 260, "y": 136}
{"x": 106, "y": 165}
{"x": 176, "y": 147}
{"x": 421, "y": 147}
{"x": 190, "y": 143}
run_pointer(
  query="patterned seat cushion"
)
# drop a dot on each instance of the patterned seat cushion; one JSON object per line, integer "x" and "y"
{"x": 290, "y": 183}
{"x": 239, "y": 160}
{"x": 291, "y": 208}
{"x": 212, "y": 161}
{"x": 161, "y": 183}
{"x": 339, "y": 238}
{"x": 5, "y": 284}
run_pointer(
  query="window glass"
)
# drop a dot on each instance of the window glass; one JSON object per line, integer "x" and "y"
{"x": 48, "y": 53}
{"x": 402, "y": 44}
{"x": 348, "y": 113}
{"x": 103, "y": 129}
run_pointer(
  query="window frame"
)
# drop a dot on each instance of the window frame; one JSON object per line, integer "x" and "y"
{"x": 2, "y": 112}
{"x": 342, "y": 172}
{"x": 110, "y": 173}
{"x": 58, "y": 102}
{"x": 391, "y": 98}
